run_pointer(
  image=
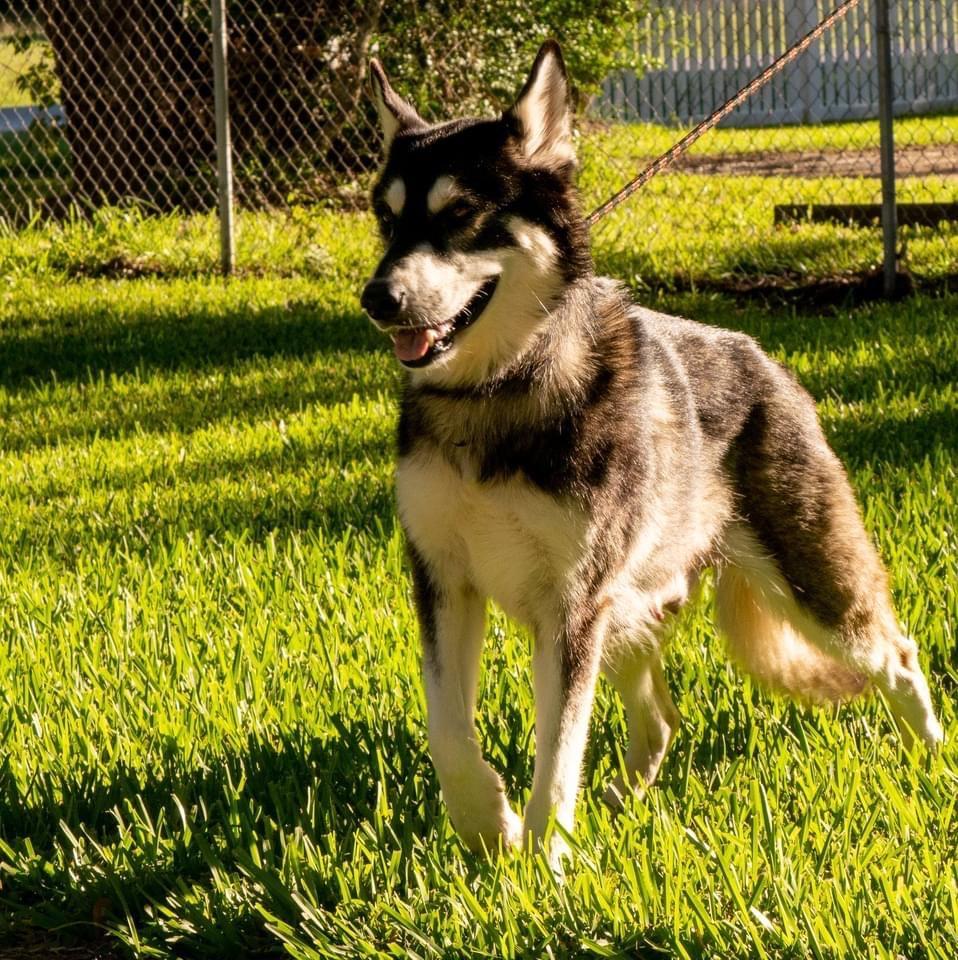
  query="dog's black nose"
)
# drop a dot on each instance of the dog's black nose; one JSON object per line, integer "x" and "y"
{"x": 383, "y": 299}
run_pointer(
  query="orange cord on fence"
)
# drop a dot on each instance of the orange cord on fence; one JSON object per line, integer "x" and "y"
{"x": 667, "y": 158}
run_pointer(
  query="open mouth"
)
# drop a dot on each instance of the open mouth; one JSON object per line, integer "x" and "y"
{"x": 419, "y": 346}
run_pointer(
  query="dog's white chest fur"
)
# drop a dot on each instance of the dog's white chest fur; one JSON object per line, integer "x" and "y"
{"x": 515, "y": 543}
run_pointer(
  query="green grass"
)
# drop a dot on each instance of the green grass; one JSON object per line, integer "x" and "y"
{"x": 652, "y": 238}
{"x": 656, "y": 239}
{"x": 687, "y": 228}
{"x": 213, "y": 734}
{"x": 681, "y": 230}
{"x": 651, "y": 139}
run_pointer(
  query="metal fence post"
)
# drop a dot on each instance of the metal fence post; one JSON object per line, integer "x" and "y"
{"x": 886, "y": 97}
{"x": 224, "y": 148}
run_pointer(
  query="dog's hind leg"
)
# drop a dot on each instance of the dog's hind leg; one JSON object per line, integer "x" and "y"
{"x": 804, "y": 598}
{"x": 452, "y": 622}
{"x": 652, "y": 718}
{"x": 775, "y": 637}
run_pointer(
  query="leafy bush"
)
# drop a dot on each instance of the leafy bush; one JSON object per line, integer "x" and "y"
{"x": 473, "y": 56}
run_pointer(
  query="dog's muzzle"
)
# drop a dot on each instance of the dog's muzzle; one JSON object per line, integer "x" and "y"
{"x": 417, "y": 346}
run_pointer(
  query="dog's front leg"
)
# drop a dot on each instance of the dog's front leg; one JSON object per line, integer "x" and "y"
{"x": 452, "y": 623}
{"x": 565, "y": 666}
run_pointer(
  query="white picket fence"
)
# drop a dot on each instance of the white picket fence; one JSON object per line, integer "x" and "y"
{"x": 705, "y": 50}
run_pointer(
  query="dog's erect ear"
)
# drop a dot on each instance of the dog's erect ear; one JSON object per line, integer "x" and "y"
{"x": 394, "y": 113}
{"x": 542, "y": 111}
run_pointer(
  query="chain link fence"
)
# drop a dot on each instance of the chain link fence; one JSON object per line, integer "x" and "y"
{"x": 106, "y": 102}
{"x": 797, "y": 167}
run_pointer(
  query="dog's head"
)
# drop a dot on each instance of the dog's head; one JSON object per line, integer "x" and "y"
{"x": 481, "y": 225}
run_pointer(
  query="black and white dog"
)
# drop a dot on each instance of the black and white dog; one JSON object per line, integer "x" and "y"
{"x": 580, "y": 460}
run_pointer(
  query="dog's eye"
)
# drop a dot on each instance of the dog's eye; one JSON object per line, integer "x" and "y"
{"x": 460, "y": 210}
{"x": 386, "y": 218}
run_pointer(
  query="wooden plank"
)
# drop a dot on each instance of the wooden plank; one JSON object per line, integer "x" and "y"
{"x": 947, "y": 80}
{"x": 865, "y": 89}
{"x": 682, "y": 61}
{"x": 951, "y": 46}
{"x": 732, "y": 58}
{"x": 902, "y": 27}
{"x": 759, "y": 29}
{"x": 865, "y": 214}
{"x": 932, "y": 55}
{"x": 778, "y": 44}
{"x": 630, "y": 96}
{"x": 668, "y": 75}
{"x": 936, "y": 28}
{"x": 696, "y": 83}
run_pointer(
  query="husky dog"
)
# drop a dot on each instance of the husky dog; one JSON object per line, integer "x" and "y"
{"x": 581, "y": 459}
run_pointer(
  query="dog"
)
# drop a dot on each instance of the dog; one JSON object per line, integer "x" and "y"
{"x": 581, "y": 460}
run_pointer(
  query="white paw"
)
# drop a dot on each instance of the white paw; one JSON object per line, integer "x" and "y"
{"x": 511, "y": 828}
{"x": 917, "y": 721}
{"x": 543, "y": 834}
{"x": 558, "y": 854}
{"x": 615, "y": 794}
{"x": 933, "y": 735}
{"x": 618, "y": 792}
{"x": 484, "y": 829}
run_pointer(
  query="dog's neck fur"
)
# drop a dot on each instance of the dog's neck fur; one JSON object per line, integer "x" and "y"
{"x": 551, "y": 379}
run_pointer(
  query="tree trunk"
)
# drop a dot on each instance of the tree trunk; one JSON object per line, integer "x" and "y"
{"x": 137, "y": 98}
{"x": 137, "y": 93}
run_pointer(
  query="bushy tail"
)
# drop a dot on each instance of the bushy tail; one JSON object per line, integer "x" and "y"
{"x": 766, "y": 634}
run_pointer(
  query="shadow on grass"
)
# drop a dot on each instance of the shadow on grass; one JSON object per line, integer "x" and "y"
{"x": 855, "y": 382}
{"x": 101, "y": 341}
{"x": 339, "y": 348}
{"x": 303, "y": 487}
{"x": 295, "y": 788}
{"x": 895, "y": 441}
{"x": 332, "y": 509}
{"x": 249, "y": 395}
{"x": 787, "y": 329}
{"x": 755, "y": 261}
{"x": 319, "y": 795}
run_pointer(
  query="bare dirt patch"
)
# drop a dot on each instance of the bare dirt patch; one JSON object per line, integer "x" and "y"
{"x": 939, "y": 159}
{"x": 839, "y": 291}
{"x": 48, "y": 951}
{"x": 34, "y": 944}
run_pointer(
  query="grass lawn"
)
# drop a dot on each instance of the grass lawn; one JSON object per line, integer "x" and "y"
{"x": 736, "y": 210}
{"x": 652, "y": 139}
{"x": 688, "y": 228}
{"x": 213, "y": 735}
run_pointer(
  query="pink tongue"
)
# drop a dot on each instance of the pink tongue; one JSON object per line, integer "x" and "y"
{"x": 412, "y": 344}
